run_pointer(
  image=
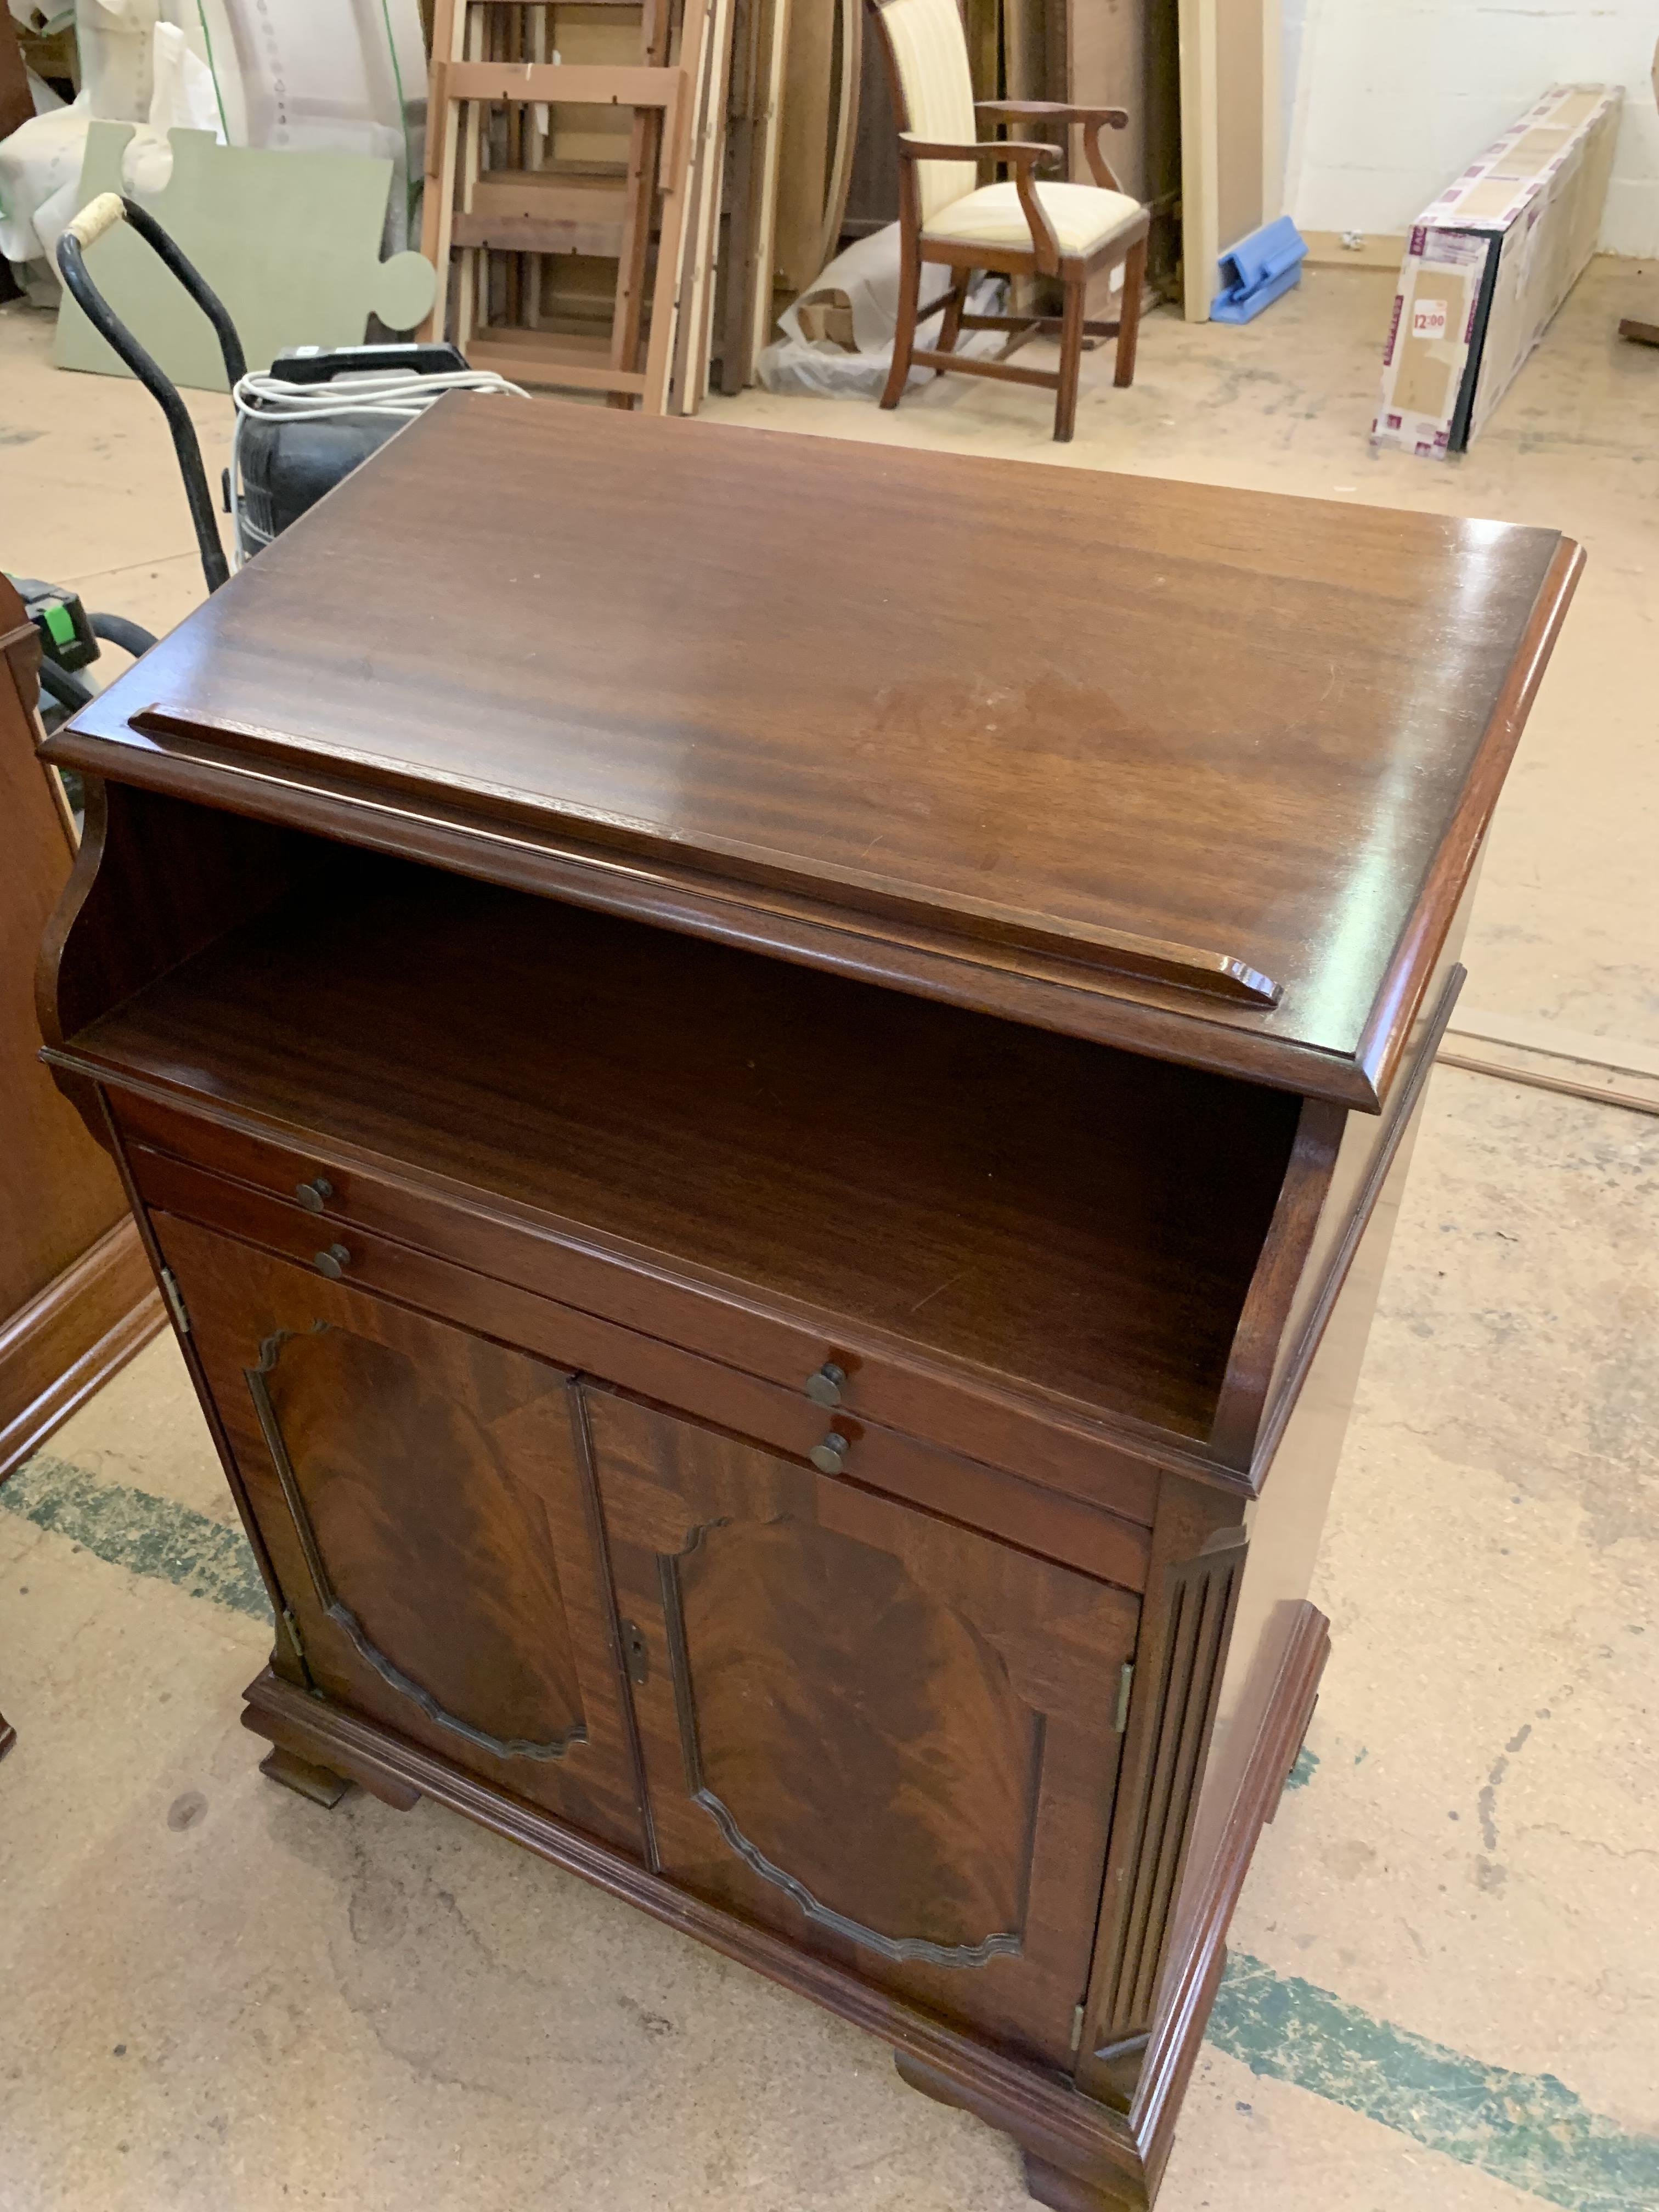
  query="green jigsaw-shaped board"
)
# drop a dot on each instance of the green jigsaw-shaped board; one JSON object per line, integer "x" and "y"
{"x": 290, "y": 242}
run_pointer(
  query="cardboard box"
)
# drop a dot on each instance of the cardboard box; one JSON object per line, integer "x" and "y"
{"x": 1488, "y": 263}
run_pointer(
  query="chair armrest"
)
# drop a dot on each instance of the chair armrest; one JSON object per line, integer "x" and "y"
{"x": 1093, "y": 120}
{"x": 1056, "y": 110}
{"x": 1028, "y": 152}
{"x": 1023, "y": 156}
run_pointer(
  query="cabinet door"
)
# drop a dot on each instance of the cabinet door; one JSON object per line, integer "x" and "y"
{"x": 421, "y": 1496}
{"x": 887, "y": 1737}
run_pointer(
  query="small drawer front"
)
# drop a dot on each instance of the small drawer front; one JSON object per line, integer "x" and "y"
{"x": 1100, "y": 1544}
{"x": 316, "y": 1182}
{"x": 838, "y": 1378}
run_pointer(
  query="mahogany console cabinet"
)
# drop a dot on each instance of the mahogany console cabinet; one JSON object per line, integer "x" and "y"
{"x": 768, "y": 1079}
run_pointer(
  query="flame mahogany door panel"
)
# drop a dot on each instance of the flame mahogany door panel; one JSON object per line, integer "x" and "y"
{"x": 887, "y": 1737}
{"x": 420, "y": 1493}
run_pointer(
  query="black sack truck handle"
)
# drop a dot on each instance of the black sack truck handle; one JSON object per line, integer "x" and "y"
{"x": 84, "y": 230}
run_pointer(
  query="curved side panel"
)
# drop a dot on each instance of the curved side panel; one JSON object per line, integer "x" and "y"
{"x": 64, "y": 914}
{"x": 1278, "y": 1271}
{"x": 1337, "y": 1168}
{"x": 49, "y": 967}
{"x": 154, "y": 881}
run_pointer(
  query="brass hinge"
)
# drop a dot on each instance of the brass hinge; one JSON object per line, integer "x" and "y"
{"x": 1077, "y": 2027}
{"x": 175, "y": 1299}
{"x": 293, "y": 1628}
{"x": 1125, "y": 1683}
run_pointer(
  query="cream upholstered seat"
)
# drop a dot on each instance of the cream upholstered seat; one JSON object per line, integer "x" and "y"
{"x": 1083, "y": 215}
{"x": 1069, "y": 233}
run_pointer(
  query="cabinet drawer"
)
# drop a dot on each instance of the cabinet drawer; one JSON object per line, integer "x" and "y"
{"x": 633, "y": 1289}
{"x": 1104, "y": 1545}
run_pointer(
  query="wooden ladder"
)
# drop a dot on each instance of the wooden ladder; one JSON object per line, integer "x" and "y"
{"x": 500, "y": 195}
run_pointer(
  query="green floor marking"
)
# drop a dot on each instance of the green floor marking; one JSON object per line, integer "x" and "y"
{"x": 131, "y": 1529}
{"x": 1526, "y": 2129}
{"x": 1302, "y": 1772}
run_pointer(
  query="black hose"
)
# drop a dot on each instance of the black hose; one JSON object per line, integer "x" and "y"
{"x": 67, "y": 690}
{"x": 115, "y": 629}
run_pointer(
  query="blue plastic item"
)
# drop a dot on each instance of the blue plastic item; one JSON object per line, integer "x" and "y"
{"x": 1259, "y": 269}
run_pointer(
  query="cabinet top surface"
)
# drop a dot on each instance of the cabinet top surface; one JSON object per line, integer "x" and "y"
{"x": 1198, "y": 771}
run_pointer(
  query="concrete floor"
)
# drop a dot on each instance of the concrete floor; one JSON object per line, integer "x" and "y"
{"x": 1444, "y": 1988}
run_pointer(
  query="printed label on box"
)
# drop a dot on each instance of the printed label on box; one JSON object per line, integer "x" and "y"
{"x": 1429, "y": 319}
{"x": 1393, "y": 331}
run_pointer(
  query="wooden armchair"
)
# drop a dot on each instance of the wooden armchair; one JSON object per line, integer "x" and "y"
{"x": 1021, "y": 227}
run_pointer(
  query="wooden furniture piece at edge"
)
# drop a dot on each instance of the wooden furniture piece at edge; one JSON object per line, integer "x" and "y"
{"x": 77, "y": 1297}
{"x": 1080, "y": 1537}
{"x": 1231, "y": 153}
{"x": 16, "y": 99}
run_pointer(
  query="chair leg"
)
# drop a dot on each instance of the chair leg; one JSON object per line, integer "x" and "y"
{"x": 904, "y": 336}
{"x": 1070, "y": 360}
{"x": 1128, "y": 329}
{"x": 951, "y": 328}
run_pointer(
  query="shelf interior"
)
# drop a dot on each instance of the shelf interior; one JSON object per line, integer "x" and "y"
{"x": 1055, "y": 1210}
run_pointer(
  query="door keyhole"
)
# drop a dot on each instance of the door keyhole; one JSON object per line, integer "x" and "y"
{"x": 636, "y": 1653}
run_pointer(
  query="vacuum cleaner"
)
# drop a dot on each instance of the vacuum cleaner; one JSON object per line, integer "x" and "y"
{"x": 303, "y": 426}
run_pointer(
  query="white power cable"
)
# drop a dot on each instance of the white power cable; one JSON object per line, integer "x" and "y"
{"x": 261, "y": 398}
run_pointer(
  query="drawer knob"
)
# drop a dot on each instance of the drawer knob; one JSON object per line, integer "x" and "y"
{"x": 315, "y": 1194}
{"x": 824, "y": 1388}
{"x": 831, "y": 1456}
{"x": 332, "y": 1263}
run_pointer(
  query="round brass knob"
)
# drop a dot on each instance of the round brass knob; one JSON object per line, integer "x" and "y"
{"x": 332, "y": 1263}
{"x": 824, "y": 1388}
{"x": 315, "y": 1194}
{"x": 831, "y": 1456}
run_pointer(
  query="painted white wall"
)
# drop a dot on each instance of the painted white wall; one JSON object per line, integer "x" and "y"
{"x": 1393, "y": 98}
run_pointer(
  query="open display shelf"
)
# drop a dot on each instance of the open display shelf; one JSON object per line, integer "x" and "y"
{"x": 1034, "y": 1204}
